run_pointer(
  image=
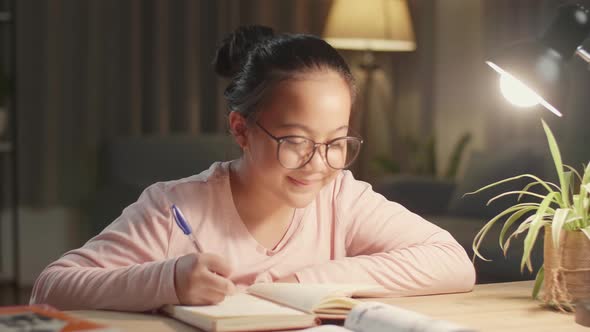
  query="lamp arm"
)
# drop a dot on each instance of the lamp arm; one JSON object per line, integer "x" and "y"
{"x": 583, "y": 54}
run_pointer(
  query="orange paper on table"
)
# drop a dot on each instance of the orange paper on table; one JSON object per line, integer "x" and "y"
{"x": 45, "y": 318}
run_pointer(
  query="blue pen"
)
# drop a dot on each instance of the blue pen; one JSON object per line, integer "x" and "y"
{"x": 184, "y": 225}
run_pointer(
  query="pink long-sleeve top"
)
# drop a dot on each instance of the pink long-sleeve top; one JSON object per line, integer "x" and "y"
{"x": 347, "y": 234}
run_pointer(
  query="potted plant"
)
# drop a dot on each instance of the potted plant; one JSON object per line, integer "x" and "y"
{"x": 562, "y": 212}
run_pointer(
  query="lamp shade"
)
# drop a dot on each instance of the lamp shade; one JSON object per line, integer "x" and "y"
{"x": 568, "y": 30}
{"x": 375, "y": 25}
{"x": 540, "y": 64}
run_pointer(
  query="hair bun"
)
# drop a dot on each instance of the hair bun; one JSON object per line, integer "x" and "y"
{"x": 234, "y": 48}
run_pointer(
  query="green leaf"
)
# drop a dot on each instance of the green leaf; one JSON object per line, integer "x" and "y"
{"x": 538, "y": 282}
{"x": 557, "y": 160}
{"x": 586, "y": 177}
{"x": 572, "y": 223}
{"x": 507, "y": 243}
{"x": 485, "y": 229}
{"x": 578, "y": 206}
{"x": 557, "y": 225}
{"x": 479, "y": 238}
{"x": 514, "y": 217}
{"x": 585, "y": 205}
{"x": 530, "y": 185}
{"x": 531, "y": 236}
{"x": 573, "y": 170}
{"x": 456, "y": 156}
{"x": 508, "y": 180}
{"x": 516, "y": 192}
{"x": 568, "y": 187}
{"x": 521, "y": 228}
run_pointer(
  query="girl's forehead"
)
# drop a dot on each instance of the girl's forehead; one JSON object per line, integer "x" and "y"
{"x": 323, "y": 91}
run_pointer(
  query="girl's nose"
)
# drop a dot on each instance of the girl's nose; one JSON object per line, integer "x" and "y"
{"x": 318, "y": 161}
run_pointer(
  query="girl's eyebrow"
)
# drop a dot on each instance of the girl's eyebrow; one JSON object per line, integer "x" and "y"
{"x": 307, "y": 129}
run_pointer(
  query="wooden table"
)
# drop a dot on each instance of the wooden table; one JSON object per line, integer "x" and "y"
{"x": 131, "y": 322}
{"x": 491, "y": 307}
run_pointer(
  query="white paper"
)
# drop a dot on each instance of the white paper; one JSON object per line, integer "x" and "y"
{"x": 380, "y": 317}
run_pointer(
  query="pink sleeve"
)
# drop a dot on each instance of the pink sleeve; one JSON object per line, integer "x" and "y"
{"x": 389, "y": 245}
{"x": 125, "y": 267}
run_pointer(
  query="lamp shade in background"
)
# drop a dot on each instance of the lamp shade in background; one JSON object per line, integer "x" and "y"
{"x": 373, "y": 25}
{"x": 535, "y": 71}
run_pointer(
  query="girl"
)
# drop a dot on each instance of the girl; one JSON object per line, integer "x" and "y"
{"x": 286, "y": 211}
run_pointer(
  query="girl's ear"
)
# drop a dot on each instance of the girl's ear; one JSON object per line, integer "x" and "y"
{"x": 238, "y": 127}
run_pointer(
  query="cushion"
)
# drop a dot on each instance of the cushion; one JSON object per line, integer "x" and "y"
{"x": 131, "y": 164}
{"x": 420, "y": 194}
{"x": 144, "y": 160}
{"x": 484, "y": 168}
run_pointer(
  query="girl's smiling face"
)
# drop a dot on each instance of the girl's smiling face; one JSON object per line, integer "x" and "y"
{"x": 315, "y": 105}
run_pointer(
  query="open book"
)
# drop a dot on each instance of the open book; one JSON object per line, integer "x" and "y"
{"x": 273, "y": 306}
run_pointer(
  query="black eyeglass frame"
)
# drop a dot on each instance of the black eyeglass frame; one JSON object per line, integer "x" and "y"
{"x": 281, "y": 139}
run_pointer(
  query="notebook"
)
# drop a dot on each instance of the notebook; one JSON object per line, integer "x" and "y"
{"x": 276, "y": 306}
{"x": 44, "y": 318}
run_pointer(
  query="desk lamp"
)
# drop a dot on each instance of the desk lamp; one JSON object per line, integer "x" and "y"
{"x": 533, "y": 72}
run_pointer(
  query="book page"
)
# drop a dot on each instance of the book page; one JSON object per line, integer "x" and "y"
{"x": 240, "y": 305}
{"x": 380, "y": 317}
{"x": 307, "y": 297}
{"x": 327, "y": 328}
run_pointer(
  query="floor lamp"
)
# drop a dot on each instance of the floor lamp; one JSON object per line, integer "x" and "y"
{"x": 369, "y": 26}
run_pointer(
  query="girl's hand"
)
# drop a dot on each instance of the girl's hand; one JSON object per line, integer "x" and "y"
{"x": 292, "y": 279}
{"x": 202, "y": 279}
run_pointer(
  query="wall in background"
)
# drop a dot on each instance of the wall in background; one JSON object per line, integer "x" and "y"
{"x": 459, "y": 72}
{"x": 45, "y": 235}
{"x": 575, "y": 124}
{"x": 96, "y": 69}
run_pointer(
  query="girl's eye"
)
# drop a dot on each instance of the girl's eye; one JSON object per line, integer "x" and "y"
{"x": 296, "y": 140}
{"x": 340, "y": 144}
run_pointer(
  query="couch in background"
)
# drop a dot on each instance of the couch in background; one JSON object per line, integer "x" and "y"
{"x": 443, "y": 203}
{"x": 131, "y": 164}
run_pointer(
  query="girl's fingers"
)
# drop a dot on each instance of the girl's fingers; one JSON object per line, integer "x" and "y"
{"x": 219, "y": 283}
{"x": 212, "y": 296}
{"x": 217, "y": 265}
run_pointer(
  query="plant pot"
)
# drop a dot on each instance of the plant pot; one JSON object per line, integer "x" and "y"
{"x": 567, "y": 269}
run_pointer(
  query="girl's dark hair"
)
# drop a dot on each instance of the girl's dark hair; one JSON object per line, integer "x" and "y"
{"x": 255, "y": 59}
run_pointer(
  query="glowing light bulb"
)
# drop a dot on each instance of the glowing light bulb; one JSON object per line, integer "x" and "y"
{"x": 517, "y": 92}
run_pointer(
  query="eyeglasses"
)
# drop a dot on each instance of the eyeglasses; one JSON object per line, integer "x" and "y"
{"x": 294, "y": 152}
